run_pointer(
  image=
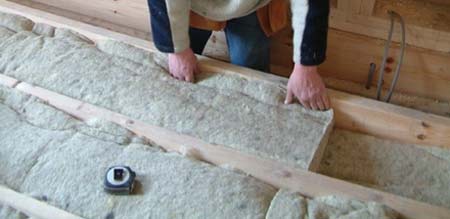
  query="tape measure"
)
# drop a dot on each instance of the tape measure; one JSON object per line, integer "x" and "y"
{"x": 119, "y": 180}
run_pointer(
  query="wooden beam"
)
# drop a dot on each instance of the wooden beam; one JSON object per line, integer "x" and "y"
{"x": 351, "y": 112}
{"x": 307, "y": 183}
{"x": 32, "y": 207}
{"x": 343, "y": 5}
{"x": 115, "y": 11}
{"x": 444, "y": 2}
{"x": 389, "y": 121}
{"x": 349, "y": 7}
{"x": 367, "y": 7}
{"x": 424, "y": 73}
{"x": 378, "y": 28}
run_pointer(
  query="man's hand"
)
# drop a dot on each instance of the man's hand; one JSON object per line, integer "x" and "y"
{"x": 183, "y": 65}
{"x": 307, "y": 85}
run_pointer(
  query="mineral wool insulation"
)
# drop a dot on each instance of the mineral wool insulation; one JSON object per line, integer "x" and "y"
{"x": 224, "y": 109}
{"x": 57, "y": 159}
{"x": 413, "y": 171}
{"x": 60, "y": 160}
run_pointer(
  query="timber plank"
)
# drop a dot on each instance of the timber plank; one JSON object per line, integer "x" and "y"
{"x": 32, "y": 207}
{"x": 389, "y": 121}
{"x": 118, "y": 11}
{"x": 378, "y": 28}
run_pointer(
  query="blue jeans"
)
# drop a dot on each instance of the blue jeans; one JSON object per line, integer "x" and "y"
{"x": 247, "y": 44}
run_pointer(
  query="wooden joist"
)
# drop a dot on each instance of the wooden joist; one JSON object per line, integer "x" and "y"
{"x": 32, "y": 207}
{"x": 118, "y": 12}
{"x": 444, "y": 2}
{"x": 389, "y": 121}
{"x": 354, "y": 16}
{"x": 356, "y": 6}
{"x": 366, "y": 7}
{"x": 424, "y": 73}
{"x": 307, "y": 183}
{"x": 377, "y": 27}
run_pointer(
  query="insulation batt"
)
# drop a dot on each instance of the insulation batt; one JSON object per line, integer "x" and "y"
{"x": 47, "y": 153}
{"x": 414, "y": 171}
{"x": 60, "y": 160}
{"x": 225, "y": 109}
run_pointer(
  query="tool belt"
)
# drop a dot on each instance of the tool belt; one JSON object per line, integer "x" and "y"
{"x": 273, "y": 17}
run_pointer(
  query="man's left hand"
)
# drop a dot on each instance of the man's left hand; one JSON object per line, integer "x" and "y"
{"x": 307, "y": 85}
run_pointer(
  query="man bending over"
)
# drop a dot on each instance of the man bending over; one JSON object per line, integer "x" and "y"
{"x": 183, "y": 27}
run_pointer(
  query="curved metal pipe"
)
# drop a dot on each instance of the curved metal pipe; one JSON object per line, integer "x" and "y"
{"x": 383, "y": 62}
{"x": 400, "y": 60}
{"x": 385, "y": 54}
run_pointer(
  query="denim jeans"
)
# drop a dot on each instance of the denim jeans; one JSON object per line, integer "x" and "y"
{"x": 247, "y": 44}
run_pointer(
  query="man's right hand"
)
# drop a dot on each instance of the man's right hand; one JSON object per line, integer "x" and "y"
{"x": 183, "y": 65}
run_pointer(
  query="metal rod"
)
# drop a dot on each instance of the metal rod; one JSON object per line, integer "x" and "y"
{"x": 400, "y": 60}
{"x": 392, "y": 14}
{"x": 383, "y": 63}
{"x": 372, "y": 69}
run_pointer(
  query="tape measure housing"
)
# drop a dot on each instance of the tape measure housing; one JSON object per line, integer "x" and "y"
{"x": 119, "y": 180}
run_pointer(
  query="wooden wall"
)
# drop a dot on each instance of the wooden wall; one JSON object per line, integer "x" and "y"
{"x": 356, "y": 39}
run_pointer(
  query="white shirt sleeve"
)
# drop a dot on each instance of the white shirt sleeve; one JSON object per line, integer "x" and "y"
{"x": 178, "y": 11}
